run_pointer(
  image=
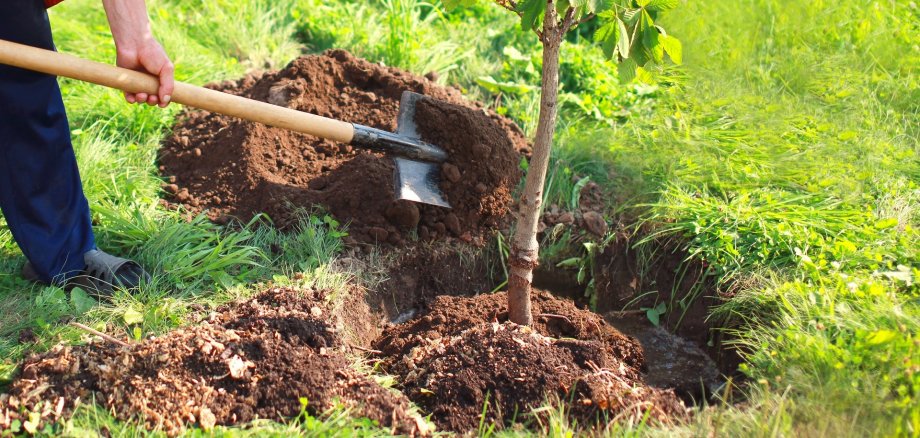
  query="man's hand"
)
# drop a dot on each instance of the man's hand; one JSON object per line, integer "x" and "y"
{"x": 138, "y": 50}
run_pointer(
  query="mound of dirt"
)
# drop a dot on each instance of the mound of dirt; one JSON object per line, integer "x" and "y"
{"x": 461, "y": 354}
{"x": 236, "y": 169}
{"x": 252, "y": 360}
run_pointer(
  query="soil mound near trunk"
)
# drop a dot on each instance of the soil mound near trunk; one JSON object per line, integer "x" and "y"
{"x": 252, "y": 360}
{"x": 236, "y": 169}
{"x": 461, "y": 354}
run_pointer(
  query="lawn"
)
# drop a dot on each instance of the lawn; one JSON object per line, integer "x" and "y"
{"x": 783, "y": 155}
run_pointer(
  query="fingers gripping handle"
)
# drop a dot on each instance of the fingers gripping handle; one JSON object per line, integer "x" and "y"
{"x": 60, "y": 64}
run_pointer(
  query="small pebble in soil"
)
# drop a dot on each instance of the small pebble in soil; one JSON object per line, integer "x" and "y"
{"x": 378, "y": 234}
{"x": 450, "y": 172}
{"x": 595, "y": 223}
{"x": 566, "y": 218}
{"x": 452, "y": 223}
{"x": 404, "y": 214}
{"x": 481, "y": 151}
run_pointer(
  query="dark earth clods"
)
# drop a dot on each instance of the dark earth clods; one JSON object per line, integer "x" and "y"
{"x": 461, "y": 354}
{"x": 255, "y": 359}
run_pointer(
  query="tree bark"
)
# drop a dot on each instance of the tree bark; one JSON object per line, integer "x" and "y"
{"x": 524, "y": 256}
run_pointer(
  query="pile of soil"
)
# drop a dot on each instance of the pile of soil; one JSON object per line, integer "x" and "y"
{"x": 235, "y": 169}
{"x": 256, "y": 359}
{"x": 461, "y": 354}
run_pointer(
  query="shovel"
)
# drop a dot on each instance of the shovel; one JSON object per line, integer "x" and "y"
{"x": 416, "y": 172}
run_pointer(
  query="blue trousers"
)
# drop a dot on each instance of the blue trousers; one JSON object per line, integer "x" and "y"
{"x": 41, "y": 196}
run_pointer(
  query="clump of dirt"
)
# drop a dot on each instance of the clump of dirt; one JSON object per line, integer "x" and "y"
{"x": 461, "y": 354}
{"x": 235, "y": 169}
{"x": 252, "y": 360}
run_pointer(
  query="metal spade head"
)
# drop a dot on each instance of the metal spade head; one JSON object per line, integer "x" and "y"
{"x": 415, "y": 180}
{"x": 417, "y": 163}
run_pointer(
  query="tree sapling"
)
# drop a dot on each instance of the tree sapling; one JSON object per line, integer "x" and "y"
{"x": 628, "y": 35}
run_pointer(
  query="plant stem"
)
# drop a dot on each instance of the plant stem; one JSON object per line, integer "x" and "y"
{"x": 524, "y": 255}
{"x": 100, "y": 334}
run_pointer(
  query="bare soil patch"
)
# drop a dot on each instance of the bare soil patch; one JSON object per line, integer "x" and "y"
{"x": 233, "y": 169}
{"x": 250, "y": 360}
{"x": 460, "y": 354}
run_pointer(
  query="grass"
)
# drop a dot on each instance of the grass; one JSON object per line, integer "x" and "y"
{"x": 784, "y": 154}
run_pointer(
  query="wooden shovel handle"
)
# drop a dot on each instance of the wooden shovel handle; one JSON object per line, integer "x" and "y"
{"x": 61, "y": 64}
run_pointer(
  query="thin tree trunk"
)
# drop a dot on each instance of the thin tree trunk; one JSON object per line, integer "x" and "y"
{"x": 524, "y": 247}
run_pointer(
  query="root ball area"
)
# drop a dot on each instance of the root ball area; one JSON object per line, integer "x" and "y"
{"x": 462, "y": 354}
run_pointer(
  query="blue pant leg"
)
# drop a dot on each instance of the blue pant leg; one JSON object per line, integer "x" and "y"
{"x": 41, "y": 195}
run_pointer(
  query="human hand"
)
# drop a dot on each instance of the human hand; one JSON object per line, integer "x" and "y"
{"x": 137, "y": 49}
{"x": 150, "y": 58}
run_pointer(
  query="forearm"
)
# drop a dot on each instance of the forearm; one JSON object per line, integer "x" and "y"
{"x": 129, "y": 23}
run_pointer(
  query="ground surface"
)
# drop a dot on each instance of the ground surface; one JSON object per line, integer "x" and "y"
{"x": 778, "y": 165}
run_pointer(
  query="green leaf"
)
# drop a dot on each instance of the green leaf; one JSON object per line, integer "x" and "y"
{"x": 494, "y": 86}
{"x": 132, "y": 316}
{"x": 569, "y": 263}
{"x": 576, "y": 192}
{"x": 627, "y": 70}
{"x": 642, "y": 3}
{"x": 608, "y": 35}
{"x": 662, "y": 5}
{"x": 847, "y": 135}
{"x": 673, "y": 47}
{"x": 661, "y": 308}
{"x": 623, "y": 45}
{"x": 648, "y": 31}
{"x": 562, "y": 6}
{"x": 881, "y": 337}
{"x": 653, "y": 316}
{"x": 643, "y": 76}
{"x": 531, "y": 13}
{"x": 631, "y": 15}
{"x": 886, "y": 223}
{"x": 81, "y": 301}
{"x": 587, "y": 6}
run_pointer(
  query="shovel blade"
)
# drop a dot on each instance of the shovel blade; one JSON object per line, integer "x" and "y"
{"x": 417, "y": 181}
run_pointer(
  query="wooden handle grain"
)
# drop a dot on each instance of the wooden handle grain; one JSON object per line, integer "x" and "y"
{"x": 61, "y": 64}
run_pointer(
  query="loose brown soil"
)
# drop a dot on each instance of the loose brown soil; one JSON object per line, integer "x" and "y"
{"x": 235, "y": 169}
{"x": 461, "y": 354}
{"x": 256, "y": 359}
